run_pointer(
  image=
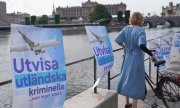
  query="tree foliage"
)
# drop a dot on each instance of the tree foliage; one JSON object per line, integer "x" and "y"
{"x": 57, "y": 19}
{"x": 43, "y": 20}
{"x": 27, "y": 21}
{"x": 100, "y": 12}
{"x": 127, "y": 15}
{"x": 33, "y": 20}
{"x": 119, "y": 15}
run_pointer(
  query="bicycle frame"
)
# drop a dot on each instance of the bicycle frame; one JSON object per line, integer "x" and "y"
{"x": 151, "y": 83}
{"x": 167, "y": 95}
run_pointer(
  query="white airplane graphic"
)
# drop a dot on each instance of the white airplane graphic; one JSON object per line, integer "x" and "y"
{"x": 98, "y": 38}
{"x": 36, "y": 47}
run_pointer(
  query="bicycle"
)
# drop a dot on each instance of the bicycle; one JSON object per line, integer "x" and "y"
{"x": 167, "y": 87}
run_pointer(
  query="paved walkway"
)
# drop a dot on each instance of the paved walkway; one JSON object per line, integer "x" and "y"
{"x": 174, "y": 67}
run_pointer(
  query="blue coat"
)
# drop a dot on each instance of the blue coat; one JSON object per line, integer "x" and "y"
{"x": 132, "y": 75}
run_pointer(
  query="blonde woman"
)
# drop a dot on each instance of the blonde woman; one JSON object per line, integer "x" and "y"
{"x": 132, "y": 77}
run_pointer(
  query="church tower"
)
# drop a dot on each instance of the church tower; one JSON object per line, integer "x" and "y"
{"x": 54, "y": 12}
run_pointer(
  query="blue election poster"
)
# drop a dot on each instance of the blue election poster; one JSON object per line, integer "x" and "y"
{"x": 102, "y": 49}
{"x": 166, "y": 43}
{"x": 162, "y": 47}
{"x": 38, "y": 67}
{"x": 176, "y": 44}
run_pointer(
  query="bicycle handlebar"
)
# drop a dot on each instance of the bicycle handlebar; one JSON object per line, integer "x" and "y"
{"x": 152, "y": 50}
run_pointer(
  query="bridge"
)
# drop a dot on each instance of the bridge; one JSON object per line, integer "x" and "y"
{"x": 174, "y": 21}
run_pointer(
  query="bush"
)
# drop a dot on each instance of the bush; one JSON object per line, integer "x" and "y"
{"x": 100, "y": 14}
{"x": 57, "y": 19}
{"x": 33, "y": 20}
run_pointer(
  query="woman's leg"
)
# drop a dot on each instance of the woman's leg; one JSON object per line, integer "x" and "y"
{"x": 134, "y": 104}
{"x": 127, "y": 100}
{"x": 128, "y": 105}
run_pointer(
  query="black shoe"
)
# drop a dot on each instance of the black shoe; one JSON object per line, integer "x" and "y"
{"x": 128, "y": 105}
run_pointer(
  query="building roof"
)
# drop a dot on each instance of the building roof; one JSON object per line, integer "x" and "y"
{"x": 90, "y": 3}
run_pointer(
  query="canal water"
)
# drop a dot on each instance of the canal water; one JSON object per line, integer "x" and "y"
{"x": 79, "y": 76}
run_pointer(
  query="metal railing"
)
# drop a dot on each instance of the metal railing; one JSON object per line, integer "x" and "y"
{"x": 111, "y": 78}
{"x": 2, "y": 28}
{"x": 69, "y": 64}
{"x": 89, "y": 58}
{"x": 95, "y": 74}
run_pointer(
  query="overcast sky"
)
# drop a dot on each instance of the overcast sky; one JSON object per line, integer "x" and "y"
{"x": 39, "y": 7}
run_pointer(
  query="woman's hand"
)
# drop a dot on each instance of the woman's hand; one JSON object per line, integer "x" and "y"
{"x": 153, "y": 58}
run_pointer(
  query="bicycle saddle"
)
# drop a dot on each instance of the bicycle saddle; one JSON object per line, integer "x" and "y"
{"x": 160, "y": 62}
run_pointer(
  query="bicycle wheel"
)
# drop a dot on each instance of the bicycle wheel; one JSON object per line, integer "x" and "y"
{"x": 170, "y": 92}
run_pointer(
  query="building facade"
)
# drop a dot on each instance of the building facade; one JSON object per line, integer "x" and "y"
{"x": 17, "y": 18}
{"x": 178, "y": 9}
{"x": 2, "y": 12}
{"x": 8, "y": 18}
{"x": 86, "y": 8}
{"x": 171, "y": 10}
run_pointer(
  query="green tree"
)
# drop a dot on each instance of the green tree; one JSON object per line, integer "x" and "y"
{"x": 119, "y": 15}
{"x": 33, "y": 20}
{"x": 100, "y": 14}
{"x": 57, "y": 19}
{"x": 43, "y": 20}
{"x": 127, "y": 15}
{"x": 27, "y": 21}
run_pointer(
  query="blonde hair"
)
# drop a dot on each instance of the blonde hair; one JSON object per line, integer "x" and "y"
{"x": 136, "y": 19}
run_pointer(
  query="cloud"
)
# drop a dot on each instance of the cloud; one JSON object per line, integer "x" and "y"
{"x": 39, "y": 7}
